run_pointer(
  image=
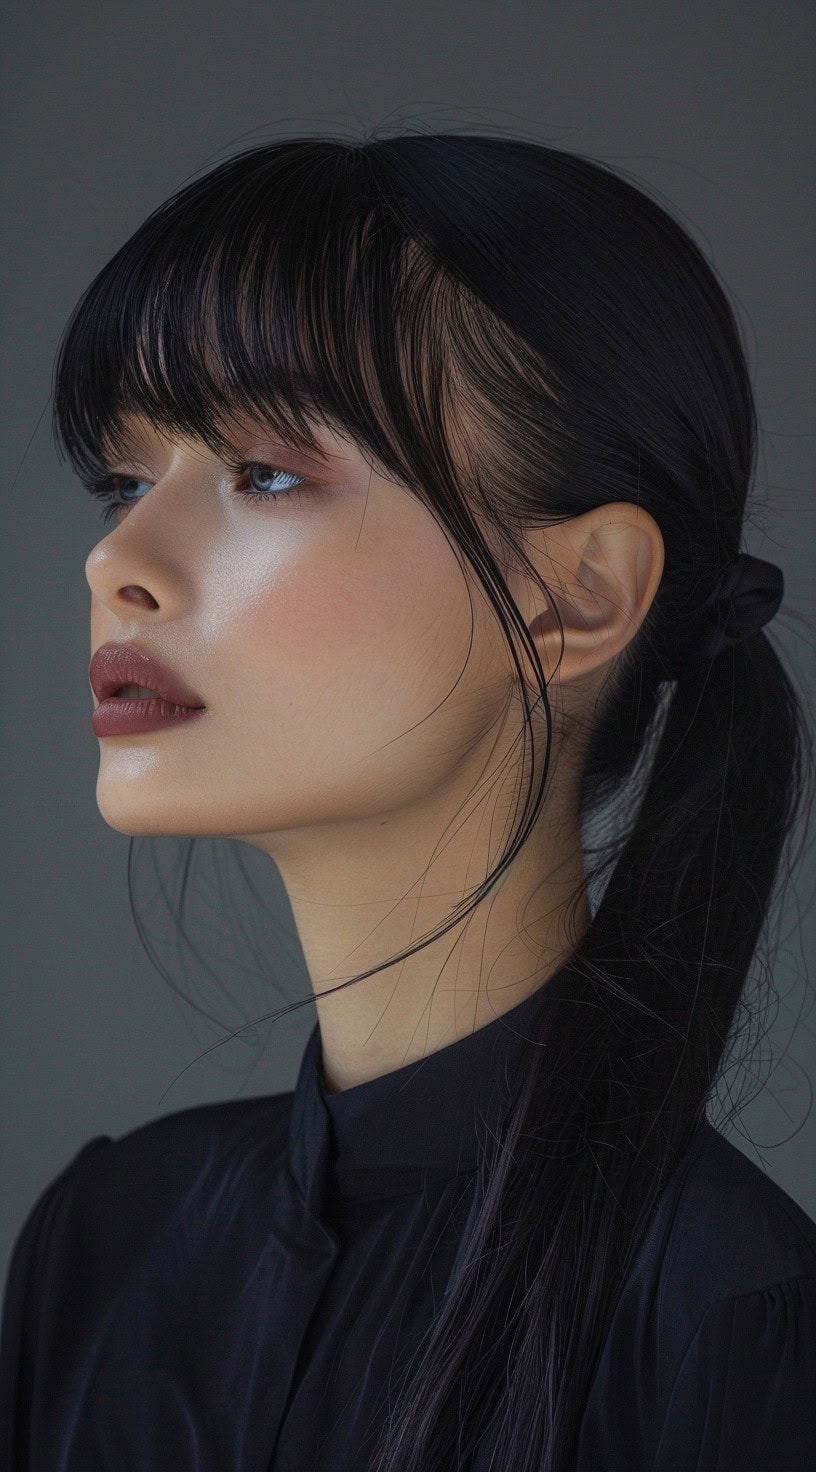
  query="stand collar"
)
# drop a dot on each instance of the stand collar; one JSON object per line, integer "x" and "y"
{"x": 422, "y": 1122}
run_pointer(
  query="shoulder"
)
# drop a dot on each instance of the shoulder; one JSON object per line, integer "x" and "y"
{"x": 738, "y": 1322}
{"x": 711, "y": 1357}
{"x": 735, "y": 1278}
{"x": 162, "y": 1192}
{"x": 121, "y": 1191}
{"x": 168, "y": 1149}
{"x": 727, "y": 1228}
{"x": 722, "y": 1230}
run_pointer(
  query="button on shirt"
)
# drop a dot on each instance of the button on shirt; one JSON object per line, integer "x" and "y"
{"x": 236, "y": 1286}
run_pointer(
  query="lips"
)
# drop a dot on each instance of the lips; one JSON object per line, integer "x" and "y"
{"x": 115, "y": 665}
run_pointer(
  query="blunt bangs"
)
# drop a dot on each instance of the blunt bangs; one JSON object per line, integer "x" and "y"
{"x": 273, "y": 289}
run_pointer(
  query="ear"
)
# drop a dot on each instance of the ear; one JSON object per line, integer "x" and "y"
{"x": 602, "y": 570}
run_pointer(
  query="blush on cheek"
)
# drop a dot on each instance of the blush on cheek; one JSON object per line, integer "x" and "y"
{"x": 375, "y": 589}
{"x": 330, "y": 615}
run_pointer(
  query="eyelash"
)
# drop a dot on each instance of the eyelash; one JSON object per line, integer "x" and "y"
{"x": 105, "y": 486}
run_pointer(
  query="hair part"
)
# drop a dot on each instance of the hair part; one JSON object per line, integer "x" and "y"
{"x": 405, "y": 291}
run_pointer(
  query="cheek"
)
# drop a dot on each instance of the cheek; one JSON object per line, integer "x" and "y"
{"x": 359, "y": 626}
{"x": 330, "y": 668}
{"x": 322, "y": 615}
{"x": 349, "y": 680}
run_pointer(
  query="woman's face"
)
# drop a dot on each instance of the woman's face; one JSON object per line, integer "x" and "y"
{"x": 359, "y": 725}
{"x": 324, "y": 631}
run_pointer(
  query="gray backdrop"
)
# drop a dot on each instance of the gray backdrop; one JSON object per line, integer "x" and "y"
{"x": 107, "y": 109}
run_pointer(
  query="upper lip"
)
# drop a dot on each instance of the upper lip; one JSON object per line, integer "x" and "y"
{"x": 114, "y": 665}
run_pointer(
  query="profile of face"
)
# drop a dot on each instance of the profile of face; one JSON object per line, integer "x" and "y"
{"x": 358, "y": 726}
{"x": 321, "y": 615}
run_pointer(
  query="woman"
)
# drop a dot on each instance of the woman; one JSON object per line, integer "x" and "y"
{"x": 355, "y": 410}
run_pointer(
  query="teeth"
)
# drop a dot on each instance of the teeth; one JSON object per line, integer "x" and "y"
{"x": 139, "y": 690}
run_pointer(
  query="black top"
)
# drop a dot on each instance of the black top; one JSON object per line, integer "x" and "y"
{"x": 226, "y": 1288}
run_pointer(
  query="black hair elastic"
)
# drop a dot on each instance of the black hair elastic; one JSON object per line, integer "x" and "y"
{"x": 745, "y": 596}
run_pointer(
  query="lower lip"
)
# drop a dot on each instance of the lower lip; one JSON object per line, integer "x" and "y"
{"x": 121, "y": 715}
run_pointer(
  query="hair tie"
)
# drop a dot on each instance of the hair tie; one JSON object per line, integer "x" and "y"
{"x": 746, "y": 595}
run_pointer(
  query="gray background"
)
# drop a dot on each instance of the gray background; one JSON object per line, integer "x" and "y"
{"x": 108, "y": 108}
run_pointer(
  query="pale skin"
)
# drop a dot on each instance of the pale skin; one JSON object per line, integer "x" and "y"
{"x": 349, "y": 735}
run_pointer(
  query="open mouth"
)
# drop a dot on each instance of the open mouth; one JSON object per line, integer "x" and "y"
{"x": 139, "y": 691}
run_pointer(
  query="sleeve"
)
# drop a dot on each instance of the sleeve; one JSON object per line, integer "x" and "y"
{"x": 18, "y": 1326}
{"x": 745, "y": 1396}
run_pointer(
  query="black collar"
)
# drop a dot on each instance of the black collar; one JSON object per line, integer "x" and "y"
{"x": 421, "y": 1122}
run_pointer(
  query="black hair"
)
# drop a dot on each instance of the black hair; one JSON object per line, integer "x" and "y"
{"x": 390, "y": 287}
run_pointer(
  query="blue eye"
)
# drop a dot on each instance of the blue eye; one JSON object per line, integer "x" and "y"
{"x": 270, "y": 472}
{"x": 110, "y": 487}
